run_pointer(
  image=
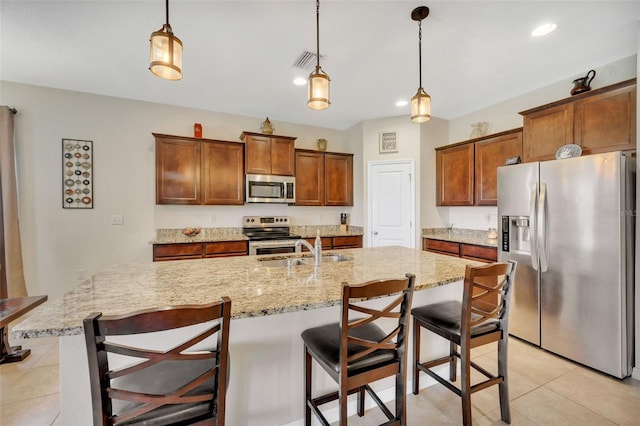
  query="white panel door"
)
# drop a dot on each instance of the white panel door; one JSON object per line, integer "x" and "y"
{"x": 391, "y": 212}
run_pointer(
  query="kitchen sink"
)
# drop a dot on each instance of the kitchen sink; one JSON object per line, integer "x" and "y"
{"x": 307, "y": 260}
{"x": 288, "y": 262}
{"x": 332, "y": 258}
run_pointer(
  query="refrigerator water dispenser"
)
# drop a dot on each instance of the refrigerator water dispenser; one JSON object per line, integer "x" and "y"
{"x": 515, "y": 234}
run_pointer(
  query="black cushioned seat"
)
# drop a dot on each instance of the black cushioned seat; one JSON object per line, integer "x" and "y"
{"x": 324, "y": 343}
{"x": 481, "y": 318}
{"x": 446, "y": 316}
{"x": 180, "y": 385}
{"x": 356, "y": 351}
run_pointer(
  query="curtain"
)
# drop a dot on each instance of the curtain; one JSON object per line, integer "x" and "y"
{"x": 12, "y": 262}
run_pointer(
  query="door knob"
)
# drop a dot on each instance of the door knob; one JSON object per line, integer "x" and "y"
{"x": 375, "y": 232}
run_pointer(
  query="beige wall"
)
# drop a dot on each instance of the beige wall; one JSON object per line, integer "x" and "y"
{"x": 58, "y": 244}
{"x": 409, "y": 148}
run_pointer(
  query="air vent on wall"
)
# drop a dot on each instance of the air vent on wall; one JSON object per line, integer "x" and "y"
{"x": 307, "y": 61}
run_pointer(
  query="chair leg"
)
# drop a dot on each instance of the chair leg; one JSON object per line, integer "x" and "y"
{"x": 342, "y": 404}
{"x": 453, "y": 362}
{"x": 361, "y": 401}
{"x": 416, "y": 357}
{"x": 307, "y": 386}
{"x": 401, "y": 404}
{"x": 503, "y": 388}
{"x": 465, "y": 384}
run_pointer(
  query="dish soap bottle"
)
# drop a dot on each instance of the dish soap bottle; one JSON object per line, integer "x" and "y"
{"x": 318, "y": 247}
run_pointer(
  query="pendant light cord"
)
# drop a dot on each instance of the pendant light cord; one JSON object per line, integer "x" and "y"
{"x": 167, "y": 10}
{"x": 317, "y": 33}
{"x": 419, "y": 51}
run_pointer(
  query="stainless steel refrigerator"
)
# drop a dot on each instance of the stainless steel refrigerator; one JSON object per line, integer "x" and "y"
{"x": 570, "y": 225}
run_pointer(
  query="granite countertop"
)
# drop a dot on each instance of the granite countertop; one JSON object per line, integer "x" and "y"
{"x": 467, "y": 236}
{"x": 207, "y": 235}
{"x": 255, "y": 290}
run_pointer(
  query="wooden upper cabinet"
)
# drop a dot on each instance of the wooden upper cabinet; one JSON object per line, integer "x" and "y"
{"x": 309, "y": 178}
{"x": 223, "y": 173}
{"x": 269, "y": 154}
{"x": 454, "y": 175}
{"x": 198, "y": 171}
{"x": 490, "y": 154}
{"x": 338, "y": 176}
{"x": 323, "y": 178}
{"x": 606, "y": 121}
{"x": 545, "y": 131}
{"x": 282, "y": 156}
{"x": 600, "y": 120}
{"x": 177, "y": 171}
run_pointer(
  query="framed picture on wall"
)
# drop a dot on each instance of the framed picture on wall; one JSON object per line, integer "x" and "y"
{"x": 388, "y": 142}
{"x": 77, "y": 174}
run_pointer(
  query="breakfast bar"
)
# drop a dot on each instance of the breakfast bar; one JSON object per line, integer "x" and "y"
{"x": 271, "y": 306}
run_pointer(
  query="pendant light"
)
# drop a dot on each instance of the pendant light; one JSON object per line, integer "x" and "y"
{"x": 421, "y": 102}
{"x": 166, "y": 52}
{"x": 318, "y": 96}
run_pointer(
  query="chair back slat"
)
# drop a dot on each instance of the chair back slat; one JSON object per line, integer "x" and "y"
{"x": 181, "y": 375}
{"x": 150, "y": 320}
{"x": 397, "y": 310}
{"x": 486, "y": 294}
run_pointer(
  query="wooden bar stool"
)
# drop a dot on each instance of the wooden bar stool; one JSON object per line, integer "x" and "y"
{"x": 182, "y": 385}
{"x": 481, "y": 318}
{"x": 356, "y": 351}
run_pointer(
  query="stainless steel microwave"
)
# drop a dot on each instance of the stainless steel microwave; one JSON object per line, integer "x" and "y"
{"x": 270, "y": 189}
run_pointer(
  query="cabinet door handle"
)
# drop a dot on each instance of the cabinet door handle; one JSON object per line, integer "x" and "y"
{"x": 375, "y": 232}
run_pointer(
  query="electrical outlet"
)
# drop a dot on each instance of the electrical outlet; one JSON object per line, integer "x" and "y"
{"x": 213, "y": 218}
{"x": 117, "y": 219}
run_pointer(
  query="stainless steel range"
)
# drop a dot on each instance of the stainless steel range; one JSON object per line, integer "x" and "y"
{"x": 269, "y": 235}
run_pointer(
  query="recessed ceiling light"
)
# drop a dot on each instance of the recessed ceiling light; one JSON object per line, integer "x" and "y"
{"x": 299, "y": 81}
{"x": 402, "y": 103}
{"x": 544, "y": 29}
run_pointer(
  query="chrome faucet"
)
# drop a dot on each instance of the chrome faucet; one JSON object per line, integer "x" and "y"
{"x": 316, "y": 251}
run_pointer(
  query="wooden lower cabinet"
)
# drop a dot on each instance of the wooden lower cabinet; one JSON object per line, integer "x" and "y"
{"x": 181, "y": 251}
{"x": 226, "y": 248}
{"x": 327, "y": 243}
{"x": 439, "y": 246}
{"x": 337, "y": 243}
{"x": 466, "y": 251}
{"x": 482, "y": 253}
{"x": 177, "y": 251}
{"x": 351, "y": 241}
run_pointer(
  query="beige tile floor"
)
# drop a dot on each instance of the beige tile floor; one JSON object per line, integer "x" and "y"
{"x": 544, "y": 390}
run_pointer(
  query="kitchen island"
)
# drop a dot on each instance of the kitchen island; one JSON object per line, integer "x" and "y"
{"x": 271, "y": 306}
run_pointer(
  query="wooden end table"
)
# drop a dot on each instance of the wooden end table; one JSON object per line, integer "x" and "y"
{"x": 11, "y": 309}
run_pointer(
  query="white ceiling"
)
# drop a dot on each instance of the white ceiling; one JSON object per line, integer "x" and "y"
{"x": 238, "y": 55}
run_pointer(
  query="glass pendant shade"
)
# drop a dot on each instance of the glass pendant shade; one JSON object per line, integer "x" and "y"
{"x": 421, "y": 107}
{"x": 318, "y": 97}
{"x": 166, "y": 54}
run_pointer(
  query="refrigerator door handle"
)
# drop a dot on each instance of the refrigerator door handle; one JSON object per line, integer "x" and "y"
{"x": 542, "y": 228}
{"x": 532, "y": 226}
